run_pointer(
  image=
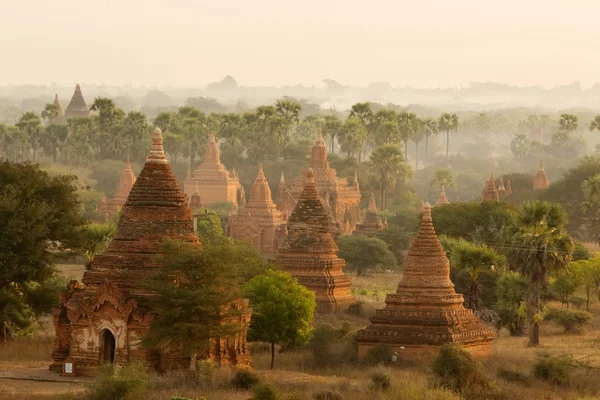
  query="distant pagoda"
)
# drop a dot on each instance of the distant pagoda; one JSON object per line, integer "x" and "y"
{"x": 77, "y": 107}
{"x": 540, "y": 182}
{"x": 60, "y": 118}
{"x": 442, "y": 199}
{"x": 309, "y": 253}
{"x": 425, "y": 312}
{"x": 490, "y": 193}
{"x": 126, "y": 182}
{"x": 371, "y": 223}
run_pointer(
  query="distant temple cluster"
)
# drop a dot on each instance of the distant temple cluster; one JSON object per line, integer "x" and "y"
{"x": 77, "y": 107}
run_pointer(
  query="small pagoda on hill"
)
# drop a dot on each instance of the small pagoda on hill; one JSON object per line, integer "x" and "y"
{"x": 490, "y": 193}
{"x": 540, "y": 182}
{"x": 104, "y": 320}
{"x": 442, "y": 199}
{"x": 77, "y": 107}
{"x": 309, "y": 253}
{"x": 259, "y": 222}
{"x": 111, "y": 207}
{"x": 214, "y": 182}
{"x": 425, "y": 312}
{"x": 341, "y": 196}
{"x": 371, "y": 223}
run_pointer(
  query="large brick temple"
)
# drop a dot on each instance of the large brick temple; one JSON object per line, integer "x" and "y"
{"x": 104, "y": 318}
{"x": 77, "y": 107}
{"x": 343, "y": 199}
{"x": 309, "y": 253}
{"x": 214, "y": 183}
{"x": 425, "y": 312}
{"x": 259, "y": 222}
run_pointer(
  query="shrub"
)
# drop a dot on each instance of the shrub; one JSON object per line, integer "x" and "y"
{"x": 381, "y": 381}
{"x": 379, "y": 355}
{"x": 327, "y": 395}
{"x": 205, "y": 370}
{"x": 571, "y": 321}
{"x": 264, "y": 392}
{"x": 512, "y": 375}
{"x": 245, "y": 379}
{"x": 554, "y": 369}
{"x": 456, "y": 369}
{"x": 355, "y": 308}
{"x": 128, "y": 383}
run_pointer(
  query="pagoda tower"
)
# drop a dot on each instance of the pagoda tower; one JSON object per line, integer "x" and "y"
{"x": 540, "y": 182}
{"x": 341, "y": 193}
{"x": 490, "y": 193}
{"x": 309, "y": 252}
{"x": 196, "y": 201}
{"x": 501, "y": 189}
{"x": 214, "y": 182}
{"x": 285, "y": 200}
{"x": 60, "y": 118}
{"x": 425, "y": 312}
{"x": 442, "y": 199}
{"x": 372, "y": 223}
{"x": 508, "y": 188}
{"x": 77, "y": 107}
{"x": 105, "y": 319}
{"x": 126, "y": 182}
{"x": 260, "y": 221}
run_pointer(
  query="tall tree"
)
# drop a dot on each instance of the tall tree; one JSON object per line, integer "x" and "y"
{"x": 443, "y": 177}
{"x": 446, "y": 123}
{"x": 135, "y": 128}
{"x": 353, "y": 137}
{"x": 50, "y": 112}
{"x": 595, "y": 124}
{"x": 31, "y": 124}
{"x": 53, "y": 138}
{"x": 428, "y": 128}
{"x": 388, "y": 161}
{"x": 282, "y": 310}
{"x": 332, "y": 126}
{"x": 192, "y": 129}
{"x": 408, "y": 126}
{"x": 538, "y": 247}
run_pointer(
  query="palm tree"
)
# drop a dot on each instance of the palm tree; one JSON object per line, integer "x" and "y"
{"x": 443, "y": 177}
{"x": 408, "y": 127}
{"x": 54, "y": 136}
{"x": 388, "y": 160}
{"x": 429, "y": 127}
{"x": 332, "y": 127}
{"x": 353, "y": 137}
{"x": 475, "y": 259}
{"x": 539, "y": 245}
{"x": 96, "y": 237}
{"x": 50, "y": 112}
{"x": 595, "y": 124}
{"x": 417, "y": 137}
{"x": 446, "y": 123}
{"x": 364, "y": 114}
{"x": 135, "y": 127}
{"x": 31, "y": 124}
{"x": 192, "y": 124}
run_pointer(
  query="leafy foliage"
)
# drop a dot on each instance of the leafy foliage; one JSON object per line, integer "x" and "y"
{"x": 127, "y": 383}
{"x": 511, "y": 289}
{"x": 456, "y": 369}
{"x": 570, "y": 320}
{"x": 364, "y": 253}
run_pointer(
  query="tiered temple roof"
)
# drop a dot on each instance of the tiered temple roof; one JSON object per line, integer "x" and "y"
{"x": 196, "y": 200}
{"x": 327, "y": 183}
{"x": 490, "y": 193}
{"x": 60, "y": 119}
{"x": 425, "y": 312}
{"x": 112, "y": 308}
{"x": 309, "y": 252}
{"x": 442, "y": 199}
{"x": 508, "y": 188}
{"x": 77, "y": 107}
{"x": 126, "y": 182}
{"x": 285, "y": 200}
{"x": 259, "y": 221}
{"x": 501, "y": 189}
{"x": 215, "y": 183}
{"x": 371, "y": 223}
{"x": 540, "y": 182}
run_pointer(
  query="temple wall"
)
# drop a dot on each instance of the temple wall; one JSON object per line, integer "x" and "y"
{"x": 212, "y": 193}
{"x": 425, "y": 354}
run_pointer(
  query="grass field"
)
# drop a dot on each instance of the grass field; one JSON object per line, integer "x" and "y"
{"x": 298, "y": 377}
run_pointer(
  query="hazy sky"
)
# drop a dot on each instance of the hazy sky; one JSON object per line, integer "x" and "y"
{"x": 423, "y": 43}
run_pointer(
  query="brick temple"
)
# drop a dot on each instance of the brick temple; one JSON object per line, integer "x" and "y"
{"x": 77, "y": 107}
{"x": 60, "y": 118}
{"x": 425, "y": 312}
{"x": 309, "y": 253}
{"x": 111, "y": 207}
{"x": 490, "y": 193}
{"x": 259, "y": 222}
{"x": 104, "y": 319}
{"x": 371, "y": 223}
{"x": 442, "y": 199}
{"x": 214, "y": 182}
{"x": 540, "y": 182}
{"x": 341, "y": 196}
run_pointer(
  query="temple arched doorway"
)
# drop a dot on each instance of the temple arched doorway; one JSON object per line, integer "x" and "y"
{"x": 107, "y": 352}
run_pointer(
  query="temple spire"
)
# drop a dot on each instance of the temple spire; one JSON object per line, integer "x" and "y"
{"x": 540, "y": 181}
{"x": 442, "y": 199}
{"x": 260, "y": 188}
{"x": 372, "y": 205}
{"x": 157, "y": 153}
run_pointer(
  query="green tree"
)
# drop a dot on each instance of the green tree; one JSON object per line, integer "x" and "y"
{"x": 408, "y": 126}
{"x": 443, "y": 177}
{"x": 192, "y": 129}
{"x": 96, "y": 238}
{"x": 14, "y": 143}
{"x": 538, "y": 247}
{"x": 40, "y": 217}
{"x": 568, "y": 123}
{"x": 135, "y": 128}
{"x": 363, "y": 253}
{"x": 446, "y": 123}
{"x": 53, "y": 138}
{"x": 564, "y": 283}
{"x": 475, "y": 259}
{"x": 353, "y": 137}
{"x": 595, "y": 124}
{"x": 590, "y": 274}
{"x": 429, "y": 128}
{"x": 282, "y": 310}
{"x": 50, "y": 112}
{"x": 519, "y": 145}
{"x": 332, "y": 126}
{"x": 511, "y": 289}
{"x": 31, "y": 124}
{"x": 389, "y": 162}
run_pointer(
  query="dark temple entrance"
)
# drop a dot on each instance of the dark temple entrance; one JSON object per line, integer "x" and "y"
{"x": 107, "y": 354}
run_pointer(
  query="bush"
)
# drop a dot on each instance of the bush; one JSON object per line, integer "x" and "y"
{"x": 456, "y": 369}
{"x": 264, "y": 392}
{"x": 511, "y": 375}
{"x": 553, "y": 369}
{"x": 205, "y": 370}
{"x": 381, "y": 381}
{"x": 571, "y": 321}
{"x": 245, "y": 379}
{"x": 128, "y": 383}
{"x": 364, "y": 253}
{"x": 355, "y": 308}
{"x": 327, "y": 395}
{"x": 379, "y": 355}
